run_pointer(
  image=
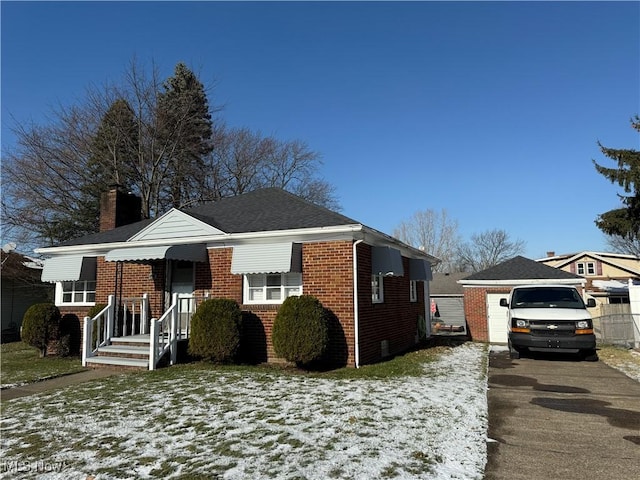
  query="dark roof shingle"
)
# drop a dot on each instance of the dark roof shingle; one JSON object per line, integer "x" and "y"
{"x": 257, "y": 211}
{"x": 521, "y": 268}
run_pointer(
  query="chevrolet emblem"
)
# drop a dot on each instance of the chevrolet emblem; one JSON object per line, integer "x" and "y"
{"x": 552, "y": 327}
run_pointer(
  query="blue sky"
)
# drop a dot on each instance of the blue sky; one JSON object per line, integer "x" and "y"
{"x": 490, "y": 110}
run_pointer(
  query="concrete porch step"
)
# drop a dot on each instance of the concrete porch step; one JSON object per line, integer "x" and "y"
{"x": 128, "y": 351}
{"x": 132, "y": 340}
{"x": 136, "y": 363}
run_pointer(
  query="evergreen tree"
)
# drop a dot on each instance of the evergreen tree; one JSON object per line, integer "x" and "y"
{"x": 186, "y": 127}
{"x": 625, "y": 221}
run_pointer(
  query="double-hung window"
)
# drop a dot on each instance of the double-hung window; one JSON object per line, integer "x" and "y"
{"x": 586, "y": 268}
{"x": 413, "y": 290}
{"x": 79, "y": 292}
{"x": 271, "y": 287}
{"x": 377, "y": 288}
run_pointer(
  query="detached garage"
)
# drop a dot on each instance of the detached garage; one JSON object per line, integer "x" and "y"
{"x": 486, "y": 319}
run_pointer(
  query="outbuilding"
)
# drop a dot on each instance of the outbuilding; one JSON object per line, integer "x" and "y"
{"x": 486, "y": 319}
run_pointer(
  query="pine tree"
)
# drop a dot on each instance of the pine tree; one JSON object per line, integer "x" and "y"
{"x": 625, "y": 221}
{"x": 186, "y": 130}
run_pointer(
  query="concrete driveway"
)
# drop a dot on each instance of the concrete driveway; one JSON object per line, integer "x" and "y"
{"x": 555, "y": 417}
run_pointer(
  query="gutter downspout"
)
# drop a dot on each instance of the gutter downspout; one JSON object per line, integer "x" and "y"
{"x": 356, "y": 326}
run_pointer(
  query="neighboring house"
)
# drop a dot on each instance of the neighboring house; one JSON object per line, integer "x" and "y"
{"x": 486, "y": 319}
{"x": 447, "y": 304}
{"x": 21, "y": 288}
{"x": 258, "y": 249}
{"x": 607, "y": 275}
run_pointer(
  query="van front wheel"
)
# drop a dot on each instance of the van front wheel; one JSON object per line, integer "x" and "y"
{"x": 513, "y": 352}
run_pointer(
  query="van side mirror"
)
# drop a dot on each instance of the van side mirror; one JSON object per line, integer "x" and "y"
{"x": 591, "y": 302}
{"x": 503, "y": 302}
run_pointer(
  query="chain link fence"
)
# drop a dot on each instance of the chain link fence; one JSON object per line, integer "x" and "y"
{"x": 617, "y": 329}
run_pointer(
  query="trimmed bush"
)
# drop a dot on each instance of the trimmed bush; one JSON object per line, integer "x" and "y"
{"x": 215, "y": 330}
{"x": 40, "y": 325}
{"x": 300, "y": 332}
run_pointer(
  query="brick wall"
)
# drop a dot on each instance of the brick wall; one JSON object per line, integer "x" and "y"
{"x": 327, "y": 275}
{"x": 475, "y": 310}
{"x": 395, "y": 320}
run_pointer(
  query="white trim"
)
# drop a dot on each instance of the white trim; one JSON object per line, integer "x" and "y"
{"x": 201, "y": 228}
{"x": 303, "y": 235}
{"x": 246, "y": 290}
{"x": 539, "y": 281}
{"x": 58, "y": 295}
{"x": 380, "y": 278}
{"x": 413, "y": 291}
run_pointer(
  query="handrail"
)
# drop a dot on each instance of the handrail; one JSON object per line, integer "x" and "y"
{"x": 104, "y": 330}
{"x": 163, "y": 335}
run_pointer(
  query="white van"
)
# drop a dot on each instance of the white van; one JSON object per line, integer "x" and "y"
{"x": 549, "y": 318}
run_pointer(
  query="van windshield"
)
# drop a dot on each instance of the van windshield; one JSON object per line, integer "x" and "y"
{"x": 547, "y": 297}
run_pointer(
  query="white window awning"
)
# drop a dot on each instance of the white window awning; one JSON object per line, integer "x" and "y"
{"x": 267, "y": 258}
{"x": 386, "y": 261}
{"x": 69, "y": 268}
{"x": 189, "y": 253}
{"x": 420, "y": 269}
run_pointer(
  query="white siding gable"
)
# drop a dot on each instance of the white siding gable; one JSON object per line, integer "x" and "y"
{"x": 175, "y": 224}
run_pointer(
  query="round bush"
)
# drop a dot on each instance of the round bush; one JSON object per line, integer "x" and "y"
{"x": 40, "y": 325}
{"x": 300, "y": 332}
{"x": 215, "y": 330}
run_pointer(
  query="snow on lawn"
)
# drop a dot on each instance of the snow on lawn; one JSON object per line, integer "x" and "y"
{"x": 257, "y": 425}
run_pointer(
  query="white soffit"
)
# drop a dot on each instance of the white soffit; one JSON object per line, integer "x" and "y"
{"x": 68, "y": 268}
{"x": 386, "y": 261}
{"x": 174, "y": 225}
{"x": 267, "y": 258}
{"x": 196, "y": 252}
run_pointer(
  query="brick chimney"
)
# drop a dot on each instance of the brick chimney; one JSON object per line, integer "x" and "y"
{"x": 118, "y": 208}
{"x": 551, "y": 254}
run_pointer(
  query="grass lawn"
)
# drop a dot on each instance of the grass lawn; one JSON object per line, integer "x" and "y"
{"x": 421, "y": 415}
{"x": 623, "y": 359}
{"x": 21, "y": 364}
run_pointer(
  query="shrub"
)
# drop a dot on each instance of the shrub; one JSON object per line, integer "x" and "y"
{"x": 40, "y": 325}
{"x": 215, "y": 330}
{"x": 70, "y": 333}
{"x": 300, "y": 332}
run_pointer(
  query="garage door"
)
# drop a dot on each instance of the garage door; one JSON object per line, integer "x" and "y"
{"x": 497, "y": 318}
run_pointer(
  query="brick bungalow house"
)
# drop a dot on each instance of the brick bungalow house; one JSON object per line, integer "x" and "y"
{"x": 257, "y": 249}
{"x": 486, "y": 319}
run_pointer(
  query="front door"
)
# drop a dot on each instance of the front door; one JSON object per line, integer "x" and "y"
{"x": 182, "y": 283}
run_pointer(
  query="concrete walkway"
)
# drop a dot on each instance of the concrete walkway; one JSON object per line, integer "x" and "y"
{"x": 560, "y": 418}
{"x": 55, "y": 383}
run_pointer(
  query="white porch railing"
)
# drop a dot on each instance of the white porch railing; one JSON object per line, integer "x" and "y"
{"x": 135, "y": 315}
{"x": 102, "y": 325}
{"x": 99, "y": 330}
{"x": 164, "y": 335}
{"x": 173, "y": 325}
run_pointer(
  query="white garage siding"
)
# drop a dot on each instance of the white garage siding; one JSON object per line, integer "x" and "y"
{"x": 496, "y": 318}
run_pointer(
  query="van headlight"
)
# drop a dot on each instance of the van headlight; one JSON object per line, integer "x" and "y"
{"x": 519, "y": 323}
{"x": 581, "y": 324}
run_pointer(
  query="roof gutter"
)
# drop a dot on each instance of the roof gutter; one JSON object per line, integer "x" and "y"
{"x": 535, "y": 281}
{"x": 222, "y": 239}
